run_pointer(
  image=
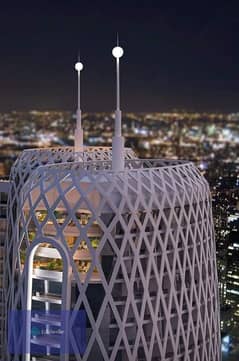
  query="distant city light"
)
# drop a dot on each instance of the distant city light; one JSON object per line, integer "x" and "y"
{"x": 233, "y": 217}
{"x": 226, "y": 344}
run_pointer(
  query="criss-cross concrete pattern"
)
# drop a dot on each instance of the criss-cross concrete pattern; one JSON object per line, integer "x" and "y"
{"x": 31, "y": 159}
{"x": 133, "y": 250}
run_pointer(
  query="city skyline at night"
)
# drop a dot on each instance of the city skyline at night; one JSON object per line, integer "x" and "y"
{"x": 210, "y": 140}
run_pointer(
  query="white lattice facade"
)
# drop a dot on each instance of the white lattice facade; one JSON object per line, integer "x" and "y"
{"x": 25, "y": 164}
{"x": 134, "y": 251}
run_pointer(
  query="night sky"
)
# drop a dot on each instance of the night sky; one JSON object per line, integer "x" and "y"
{"x": 177, "y": 54}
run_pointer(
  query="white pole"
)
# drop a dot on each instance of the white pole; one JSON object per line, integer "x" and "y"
{"x": 78, "y": 130}
{"x": 118, "y": 140}
{"x": 78, "y": 125}
{"x": 117, "y": 84}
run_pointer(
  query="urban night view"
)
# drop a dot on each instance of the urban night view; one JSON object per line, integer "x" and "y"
{"x": 119, "y": 181}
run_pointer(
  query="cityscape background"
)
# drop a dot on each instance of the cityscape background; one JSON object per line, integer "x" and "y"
{"x": 211, "y": 140}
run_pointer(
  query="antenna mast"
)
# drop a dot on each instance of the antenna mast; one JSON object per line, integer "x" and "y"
{"x": 78, "y": 130}
{"x": 118, "y": 140}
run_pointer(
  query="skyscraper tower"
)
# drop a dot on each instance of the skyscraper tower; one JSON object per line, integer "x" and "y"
{"x": 113, "y": 260}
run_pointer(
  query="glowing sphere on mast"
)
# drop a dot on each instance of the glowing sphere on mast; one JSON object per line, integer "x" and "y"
{"x": 78, "y": 66}
{"x": 117, "y": 52}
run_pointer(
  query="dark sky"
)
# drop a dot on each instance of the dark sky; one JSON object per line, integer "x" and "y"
{"x": 182, "y": 55}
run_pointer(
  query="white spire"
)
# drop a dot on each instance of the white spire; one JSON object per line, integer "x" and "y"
{"x": 78, "y": 130}
{"x": 118, "y": 140}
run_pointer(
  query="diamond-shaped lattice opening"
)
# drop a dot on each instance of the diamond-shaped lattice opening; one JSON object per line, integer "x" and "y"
{"x": 143, "y": 251}
{"x": 140, "y": 217}
{"x": 178, "y": 284}
{"x": 191, "y": 342}
{"x": 72, "y": 197}
{"x": 163, "y": 222}
{"x": 180, "y": 244}
{"x": 25, "y": 213}
{"x": 188, "y": 279}
{"x": 182, "y": 345}
{"x": 94, "y": 233}
{"x": 83, "y": 216}
{"x": 81, "y": 327}
{"x": 113, "y": 328}
{"x": 121, "y": 353}
{"x": 117, "y": 234}
{"x": 131, "y": 326}
{"x": 61, "y": 216}
{"x": 108, "y": 259}
{"x": 170, "y": 243}
{"x": 49, "y": 229}
{"x": 119, "y": 293}
{"x": 49, "y": 183}
{"x": 156, "y": 350}
{"x": 71, "y": 232}
{"x": 108, "y": 329}
{"x": 31, "y": 235}
{"x": 41, "y": 215}
{"x": 109, "y": 212}
{"x": 71, "y": 240}
{"x": 157, "y": 246}
{"x": 141, "y": 354}
{"x": 128, "y": 251}
{"x": 94, "y": 198}
{"x": 128, "y": 258}
{"x": 177, "y": 210}
{"x": 95, "y": 352}
{"x": 23, "y": 251}
{"x": 107, "y": 218}
{"x": 135, "y": 241}
{"x": 83, "y": 265}
{"x": 138, "y": 290}
{"x": 133, "y": 223}
{"x": 95, "y": 294}
{"x": 166, "y": 285}
{"x": 169, "y": 348}
{"x": 78, "y": 335}
{"x": 34, "y": 194}
{"x": 182, "y": 212}
{"x": 149, "y": 226}
{"x": 83, "y": 261}
{"x": 153, "y": 288}
{"x": 147, "y": 324}
{"x": 51, "y": 196}
{"x": 185, "y": 319}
